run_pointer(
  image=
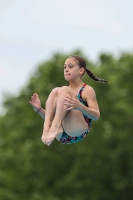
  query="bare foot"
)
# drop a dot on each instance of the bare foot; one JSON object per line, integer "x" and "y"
{"x": 44, "y": 135}
{"x": 53, "y": 132}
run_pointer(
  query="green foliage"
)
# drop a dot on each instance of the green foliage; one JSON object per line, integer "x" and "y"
{"x": 98, "y": 168}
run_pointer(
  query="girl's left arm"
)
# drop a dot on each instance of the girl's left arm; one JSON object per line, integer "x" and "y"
{"x": 92, "y": 111}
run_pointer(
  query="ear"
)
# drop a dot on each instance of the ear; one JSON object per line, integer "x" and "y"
{"x": 82, "y": 70}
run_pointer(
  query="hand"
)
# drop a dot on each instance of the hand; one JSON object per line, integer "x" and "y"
{"x": 74, "y": 103}
{"x": 35, "y": 101}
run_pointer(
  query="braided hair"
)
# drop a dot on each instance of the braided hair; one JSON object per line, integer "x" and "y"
{"x": 82, "y": 63}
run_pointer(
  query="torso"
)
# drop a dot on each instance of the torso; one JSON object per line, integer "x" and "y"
{"x": 75, "y": 123}
{"x": 76, "y": 91}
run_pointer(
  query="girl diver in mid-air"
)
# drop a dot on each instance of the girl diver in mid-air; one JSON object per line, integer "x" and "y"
{"x": 69, "y": 110}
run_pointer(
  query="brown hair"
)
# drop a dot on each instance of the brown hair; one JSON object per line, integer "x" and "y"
{"x": 82, "y": 63}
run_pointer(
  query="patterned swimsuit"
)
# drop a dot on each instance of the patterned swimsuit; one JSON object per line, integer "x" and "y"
{"x": 65, "y": 138}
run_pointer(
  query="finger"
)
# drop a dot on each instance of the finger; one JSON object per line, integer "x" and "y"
{"x": 70, "y": 98}
{"x": 67, "y": 104}
{"x": 69, "y": 101}
{"x": 70, "y": 108}
{"x": 32, "y": 104}
{"x": 33, "y": 99}
{"x": 36, "y": 96}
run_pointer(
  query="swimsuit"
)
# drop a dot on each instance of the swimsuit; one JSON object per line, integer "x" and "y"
{"x": 65, "y": 138}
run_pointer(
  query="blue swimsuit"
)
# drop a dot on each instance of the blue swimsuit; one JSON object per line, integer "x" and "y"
{"x": 65, "y": 138}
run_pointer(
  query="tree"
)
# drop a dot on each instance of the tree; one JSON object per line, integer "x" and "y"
{"x": 98, "y": 168}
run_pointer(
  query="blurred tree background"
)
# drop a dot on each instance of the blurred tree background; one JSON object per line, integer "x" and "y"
{"x": 98, "y": 168}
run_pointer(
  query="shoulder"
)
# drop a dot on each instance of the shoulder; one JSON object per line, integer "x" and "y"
{"x": 89, "y": 89}
{"x": 88, "y": 92}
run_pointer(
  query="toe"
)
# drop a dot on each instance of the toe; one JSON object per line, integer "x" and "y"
{"x": 43, "y": 140}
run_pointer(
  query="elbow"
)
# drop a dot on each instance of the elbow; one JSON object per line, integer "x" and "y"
{"x": 97, "y": 117}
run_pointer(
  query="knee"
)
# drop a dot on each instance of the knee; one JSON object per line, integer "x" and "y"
{"x": 63, "y": 89}
{"x": 55, "y": 91}
{"x": 53, "y": 94}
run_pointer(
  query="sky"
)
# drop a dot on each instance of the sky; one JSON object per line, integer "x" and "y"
{"x": 32, "y": 30}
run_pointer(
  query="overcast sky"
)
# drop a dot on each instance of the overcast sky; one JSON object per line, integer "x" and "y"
{"x": 32, "y": 30}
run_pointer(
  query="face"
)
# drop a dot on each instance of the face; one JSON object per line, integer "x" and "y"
{"x": 72, "y": 69}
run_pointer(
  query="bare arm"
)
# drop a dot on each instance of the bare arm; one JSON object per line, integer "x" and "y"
{"x": 88, "y": 95}
{"x": 35, "y": 102}
{"x": 41, "y": 112}
{"x": 92, "y": 111}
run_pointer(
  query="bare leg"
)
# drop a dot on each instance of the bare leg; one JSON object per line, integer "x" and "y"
{"x": 60, "y": 113}
{"x": 50, "y": 112}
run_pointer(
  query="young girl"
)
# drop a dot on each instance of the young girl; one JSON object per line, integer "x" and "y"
{"x": 69, "y": 110}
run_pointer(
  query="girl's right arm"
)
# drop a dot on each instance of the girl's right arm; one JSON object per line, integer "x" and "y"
{"x": 41, "y": 112}
{"x": 35, "y": 102}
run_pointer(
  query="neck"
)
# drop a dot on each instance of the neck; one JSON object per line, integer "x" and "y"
{"x": 75, "y": 85}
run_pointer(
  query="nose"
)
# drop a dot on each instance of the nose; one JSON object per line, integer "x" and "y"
{"x": 66, "y": 69}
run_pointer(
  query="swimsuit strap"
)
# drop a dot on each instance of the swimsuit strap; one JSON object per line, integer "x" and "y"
{"x": 81, "y": 90}
{"x": 80, "y": 95}
{"x": 87, "y": 119}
